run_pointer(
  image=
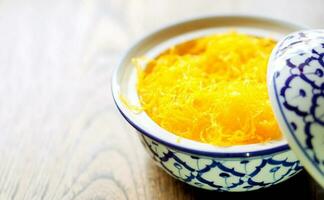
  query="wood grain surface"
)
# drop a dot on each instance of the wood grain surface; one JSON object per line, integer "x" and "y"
{"x": 60, "y": 134}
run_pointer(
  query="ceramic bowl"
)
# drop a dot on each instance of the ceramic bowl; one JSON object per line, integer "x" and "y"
{"x": 237, "y": 168}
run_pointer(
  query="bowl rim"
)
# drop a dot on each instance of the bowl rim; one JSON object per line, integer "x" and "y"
{"x": 179, "y": 146}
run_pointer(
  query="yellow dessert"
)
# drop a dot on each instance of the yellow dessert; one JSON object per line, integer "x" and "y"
{"x": 212, "y": 89}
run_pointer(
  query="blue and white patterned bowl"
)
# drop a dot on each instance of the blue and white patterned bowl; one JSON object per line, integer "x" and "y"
{"x": 237, "y": 168}
{"x": 296, "y": 88}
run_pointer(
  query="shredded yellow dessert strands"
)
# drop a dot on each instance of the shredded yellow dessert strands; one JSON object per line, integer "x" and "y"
{"x": 211, "y": 89}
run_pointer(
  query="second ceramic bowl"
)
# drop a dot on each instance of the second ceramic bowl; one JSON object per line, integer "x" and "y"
{"x": 238, "y": 168}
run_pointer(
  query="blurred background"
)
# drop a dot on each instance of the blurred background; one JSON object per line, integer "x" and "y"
{"x": 60, "y": 134}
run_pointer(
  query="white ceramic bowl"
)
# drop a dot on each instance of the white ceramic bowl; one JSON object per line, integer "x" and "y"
{"x": 237, "y": 168}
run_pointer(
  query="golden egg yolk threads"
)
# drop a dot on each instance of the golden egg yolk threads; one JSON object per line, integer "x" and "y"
{"x": 212, "y": 89}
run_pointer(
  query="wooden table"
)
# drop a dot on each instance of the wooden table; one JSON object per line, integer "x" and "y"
{"x": 61, "y": 136}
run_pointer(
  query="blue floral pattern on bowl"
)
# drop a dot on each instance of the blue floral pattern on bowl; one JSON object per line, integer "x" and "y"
{"x": 297, "y": 90}
{"x": 223, "y": 174}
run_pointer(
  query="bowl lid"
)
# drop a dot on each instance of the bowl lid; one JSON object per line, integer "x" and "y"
{"x": 296, "y": 88}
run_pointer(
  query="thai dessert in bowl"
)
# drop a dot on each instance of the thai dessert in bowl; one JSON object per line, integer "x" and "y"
{"x": 196, "y": 92}
{"x": 214, "y": 87}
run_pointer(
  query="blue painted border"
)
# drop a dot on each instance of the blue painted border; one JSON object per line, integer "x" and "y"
{"x": 301, "y": 148}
